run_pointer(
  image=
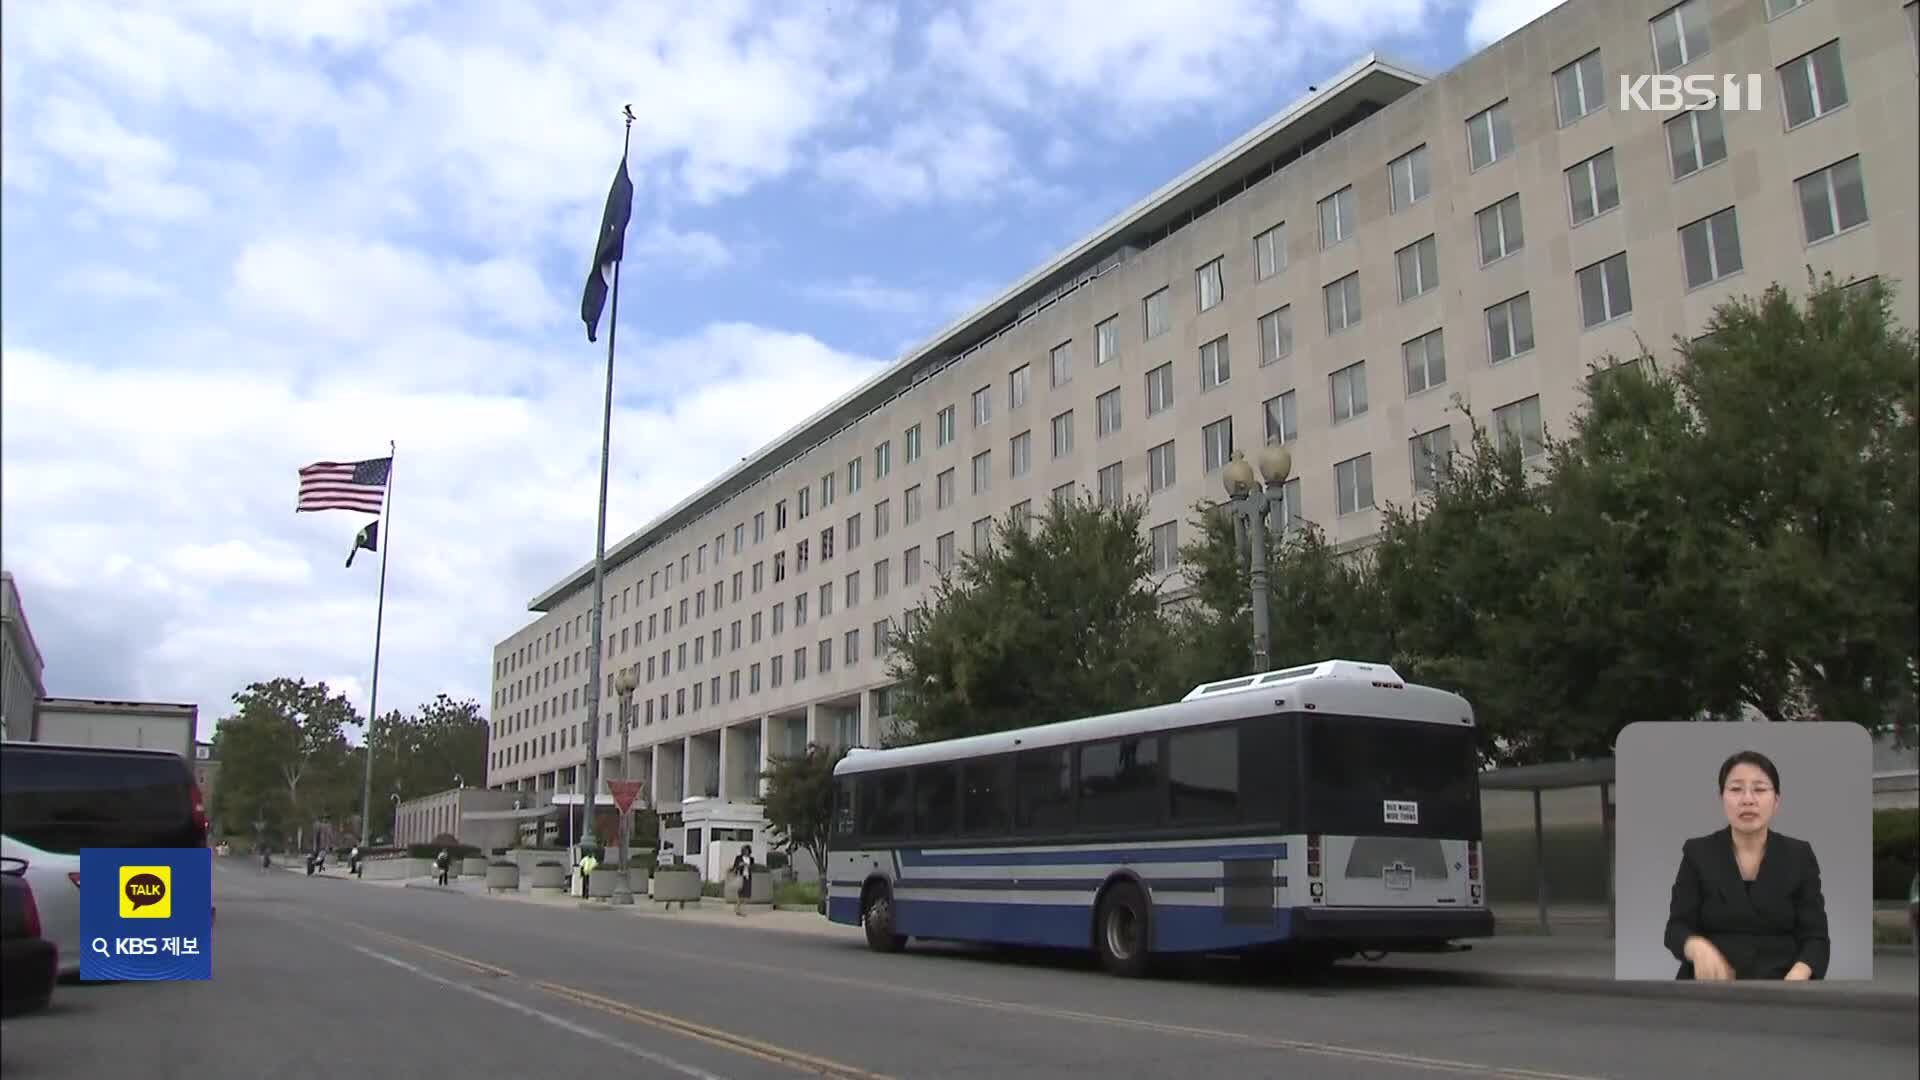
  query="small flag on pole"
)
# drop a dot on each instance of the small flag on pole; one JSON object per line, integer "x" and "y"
{"x": 608, "y": 249}
{"x": 368, "y": 538}
{"x": 344, "y": 485}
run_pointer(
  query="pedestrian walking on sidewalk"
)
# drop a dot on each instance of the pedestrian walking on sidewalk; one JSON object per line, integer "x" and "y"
{"x": 587, "y": 866}
{"x": 441, "y": 863}
{"x": 743, "y": 872}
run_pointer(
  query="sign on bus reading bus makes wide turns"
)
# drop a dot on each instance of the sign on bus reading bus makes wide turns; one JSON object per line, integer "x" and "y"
{"x": 146, "y": 913}
{"x": 1396, "y": 812}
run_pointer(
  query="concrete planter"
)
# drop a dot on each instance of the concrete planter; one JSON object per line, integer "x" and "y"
{"x": 395, "y": 869}
{"x": 473, "y": 867}
{"x": 600, "y": 883}
{"x": 548, "y": 879}
{"x": 503, "y": 877}
{"x": 762, "y": 893}
{"x": 676, "y": 884}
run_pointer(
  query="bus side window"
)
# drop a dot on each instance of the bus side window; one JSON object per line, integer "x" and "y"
{"x": 1043, "y": 790}
{"x": 936, "y": 800}
{"x": 843, "y": 807}
{"x": 885, "y": 810}
{"x": 986, "y": 803}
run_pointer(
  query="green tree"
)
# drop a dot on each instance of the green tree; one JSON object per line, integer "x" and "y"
{"x": 1803, "y": 449}
{"x": 283, "y": 756}
{"x": 1057, "y": 619}
{"x": 799, "y": 800}
{"x": 440, "y": 745}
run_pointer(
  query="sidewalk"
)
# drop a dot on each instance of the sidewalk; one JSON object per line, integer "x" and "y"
{"x": 1576, "y": 958}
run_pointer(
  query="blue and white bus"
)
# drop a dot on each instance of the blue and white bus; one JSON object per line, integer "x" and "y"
{"x": 1315, "y": 813}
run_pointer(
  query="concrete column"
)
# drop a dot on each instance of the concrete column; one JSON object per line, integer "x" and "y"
{"x": 869, "y": 723}
{"x": 767, "y": 726}
{"x": 815, "y": 716}
{"x": 686, "y": 767}
{"x": 725, "y": 753}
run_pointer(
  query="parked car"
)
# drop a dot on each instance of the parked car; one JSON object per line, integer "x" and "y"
{"x": 60, "y": 798}
{"x": 29, "y": 963}
{"x": 55, "y": 878}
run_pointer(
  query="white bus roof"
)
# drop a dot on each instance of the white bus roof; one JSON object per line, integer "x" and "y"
{"x": 1339, "y": 687}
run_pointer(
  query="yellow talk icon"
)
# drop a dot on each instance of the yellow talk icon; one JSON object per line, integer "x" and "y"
{"x": 146, "y": 892}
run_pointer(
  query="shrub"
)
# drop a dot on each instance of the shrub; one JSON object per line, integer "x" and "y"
{"x": 1896, "y": 852}
{"x": 454, "y": 850}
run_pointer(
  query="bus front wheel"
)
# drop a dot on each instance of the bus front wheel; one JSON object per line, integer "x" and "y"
{"x": 876, "y": 914}
{"x": 1121, "y": 930}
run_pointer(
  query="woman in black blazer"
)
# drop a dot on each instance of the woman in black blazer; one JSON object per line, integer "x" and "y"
{"x": 1746, "y": 900}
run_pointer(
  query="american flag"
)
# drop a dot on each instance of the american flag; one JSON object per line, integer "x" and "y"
{"x": 344, "y": 485}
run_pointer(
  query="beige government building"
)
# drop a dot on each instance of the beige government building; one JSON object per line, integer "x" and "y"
{"x": 1333, "y": 280}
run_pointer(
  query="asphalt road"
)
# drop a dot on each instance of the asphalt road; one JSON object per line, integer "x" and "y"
{"x": 328, "y": 977}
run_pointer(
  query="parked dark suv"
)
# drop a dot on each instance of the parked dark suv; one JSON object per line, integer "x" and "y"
{"x": 64, "y": 798}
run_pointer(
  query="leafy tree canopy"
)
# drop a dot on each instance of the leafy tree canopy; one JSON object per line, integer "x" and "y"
{"x": 799, "y": 800}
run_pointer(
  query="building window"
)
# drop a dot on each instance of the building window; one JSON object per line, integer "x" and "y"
{"x": 882, "y": 577}
{"x": 1063, "y": 494}
{"x": 1107, "y": 482}
{"x": 1060, "y": 364}
{"x": 1019, "y": 383}
{"x": 882, "y": 459}
{"x": 1210, "y": 283}
{"x": 1489, "y": 136}
{"x": 1592, "y": 187}
{"x": 1500, "y": 230}
{"x": 1680, "y": 36}
{"x": 1106, "y": 339}
{"x": 1106, "y": 413}
{"x": 1832, "y": 200}
{"x": 943, "y": 427}
{"x": 1580, "y": 88}
{"x": 1216, "y": 440}
{"x": 853, "y": 531}
{"x": 910, "y": 566}
{"x": 1813, "y": 85}
{"x": 1710, "y": 248}
{"x": 1063, "y": 434}
{"x": 779, "y": 523}
{"x": 982, "y": 406}
{"x": 943, "y": 490}
{"x": 882, "y": 637}
{"x": 1336, "y": 217}
{"x": 982, "y": 535}
{"x": 853, "y": 588}
{"x": 882, "y": 518}
{"x": 1605, "y": 292}
{"x": 826, "y": 599}
{"x": 1154, "y": 314}
{"x": 853, "y": 476}
{"x": 912, "y": 498}
{"x": 1276, "y": 335}
{"x": 1283, "y": 418}
{"x": 1348, "y": 389}
{"x": 1425, "y": 360}
{"x": 1418, "y": 268}
{"x": 1215, "y": 368}
{"x": 852, "y": 639}
{"x": 1022, "y": 515}
{"x": 1270, "y": 251}
{"x": 982, "y": 471}
{"x": 1165, "y": 538}
{"x": 1408, "y": 179}
{"x": 944, "y": 559}
{"x": 1353, "y": 484}
{"x": 1160, "y": 389}
{"x": 805, "y": 499}
{"x": 1777, "y": 8}
{"x": 1020, "y": 453}
{"x": 1518, "y": 424}
{"x": 1431, "y": 453}
{"x": 1343, "y": 303}
{"x": 912, "y": 438}
{"x": 1695, "y": 140}
{"x": 1160, "y": 467}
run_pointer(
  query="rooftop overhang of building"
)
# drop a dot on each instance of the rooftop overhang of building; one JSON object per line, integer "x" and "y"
{"x": 1367, "y": 84}
{"x": 525, "y": 813}
{"x": 169, "y": 710}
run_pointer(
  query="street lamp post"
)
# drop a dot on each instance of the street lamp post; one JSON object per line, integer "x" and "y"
{"x": 624, "y": 683}
{"x": 1249, "y": 499}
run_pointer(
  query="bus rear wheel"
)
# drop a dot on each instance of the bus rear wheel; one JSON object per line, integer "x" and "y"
{"x": 876, "y": 914}
{"x": 1121, "y": 931}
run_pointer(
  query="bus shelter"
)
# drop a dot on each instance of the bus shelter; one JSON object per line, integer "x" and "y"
{"x": 1557, "y": 776}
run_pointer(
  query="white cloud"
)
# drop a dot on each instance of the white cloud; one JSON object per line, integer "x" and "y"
{"x": 135, "y": 172}
{"x": 114, "y": 283}
{"x": 1492, "y": 20}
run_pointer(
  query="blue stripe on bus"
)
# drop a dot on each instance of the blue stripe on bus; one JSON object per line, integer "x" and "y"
{"x": 1083, "y": 857}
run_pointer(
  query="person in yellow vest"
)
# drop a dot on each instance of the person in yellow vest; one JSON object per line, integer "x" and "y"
{"x": 587, "y": 863}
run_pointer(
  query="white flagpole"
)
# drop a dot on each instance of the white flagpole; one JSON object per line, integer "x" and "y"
{"x": 379, "y": 624}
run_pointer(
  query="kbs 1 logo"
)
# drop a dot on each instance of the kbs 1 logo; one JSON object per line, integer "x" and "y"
{"x": 1684, "y": 93}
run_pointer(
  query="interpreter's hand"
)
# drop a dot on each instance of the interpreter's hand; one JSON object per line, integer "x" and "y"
{"x": 1708, "y": 963}
{"x": 1799, "y": 972}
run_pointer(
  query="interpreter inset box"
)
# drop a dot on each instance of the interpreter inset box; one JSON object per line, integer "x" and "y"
{"x": 1743, "y": 851}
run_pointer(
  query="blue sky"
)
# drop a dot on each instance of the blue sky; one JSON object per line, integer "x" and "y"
{"x": 243, "y": 235}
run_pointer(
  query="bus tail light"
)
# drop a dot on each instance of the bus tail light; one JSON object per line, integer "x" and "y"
{"x": 1473, "y": 860}
{"x": 1313, "y": 855}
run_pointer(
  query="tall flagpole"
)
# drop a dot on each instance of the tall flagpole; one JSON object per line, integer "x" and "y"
{"x": 379, "y": 624}
{"x": 597, "y": 645}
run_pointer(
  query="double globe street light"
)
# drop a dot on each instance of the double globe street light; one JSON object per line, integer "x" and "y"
{"x": 625, "y": 681}
{"x": 1250, "y": 500}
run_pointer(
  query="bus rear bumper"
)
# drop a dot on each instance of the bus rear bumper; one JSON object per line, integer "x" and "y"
{"x": 1388, "y": 926}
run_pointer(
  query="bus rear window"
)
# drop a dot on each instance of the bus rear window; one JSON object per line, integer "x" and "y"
{"x": 1355, "y": 766}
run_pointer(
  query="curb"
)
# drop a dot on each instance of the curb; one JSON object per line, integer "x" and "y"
{"x": 1822, "y": 996}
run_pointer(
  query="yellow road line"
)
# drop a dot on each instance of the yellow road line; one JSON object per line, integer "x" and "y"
{"x": 421, "y": 946}
{"x": 765, "y": 1051}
